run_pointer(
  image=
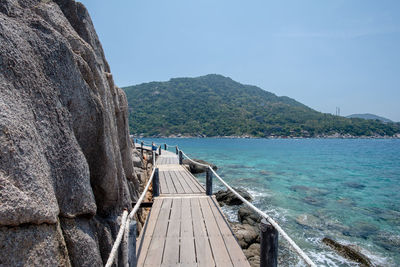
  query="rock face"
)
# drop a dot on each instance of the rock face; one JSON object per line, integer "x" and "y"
{"x": 226, "y": 197}
{"x": 66, "y": 169}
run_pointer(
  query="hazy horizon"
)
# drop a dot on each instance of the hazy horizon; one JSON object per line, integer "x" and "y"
{"x": 323, "y": 54}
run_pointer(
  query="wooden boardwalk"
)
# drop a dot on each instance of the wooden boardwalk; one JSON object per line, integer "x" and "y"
{"x": 186, "y": 227}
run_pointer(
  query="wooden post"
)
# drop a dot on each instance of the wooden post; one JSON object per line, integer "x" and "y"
{"x": 176, "y": 147}
{"x": 208, "y": 182}
{"x": 165, "y": 146}
{"x": 159, "y": 150}
{"x": 141, "y": 147}
{"x": 156, "y": 182}
{"x": 268, "y": 245}
{"x": 132, "y": 244}
{"x": 180, "y": 157}
{"x": 154, "y": 158}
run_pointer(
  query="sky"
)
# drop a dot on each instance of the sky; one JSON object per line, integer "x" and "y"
{"x": 325, "y": 54}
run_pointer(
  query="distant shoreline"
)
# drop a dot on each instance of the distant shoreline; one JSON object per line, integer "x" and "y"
{"x": 271, "y": 137}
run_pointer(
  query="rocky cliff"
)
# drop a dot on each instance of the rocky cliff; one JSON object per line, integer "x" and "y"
{"x": 66, "y": 170}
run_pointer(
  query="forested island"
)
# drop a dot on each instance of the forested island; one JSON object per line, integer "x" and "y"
{"x": 214, "y": 105}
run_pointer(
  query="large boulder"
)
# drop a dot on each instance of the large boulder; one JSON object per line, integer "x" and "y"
{"x": 248, "y": 216}
{"x": 196, "y": 168}
{"x": 226, "y": 197}
{"x": 66, "y": 170}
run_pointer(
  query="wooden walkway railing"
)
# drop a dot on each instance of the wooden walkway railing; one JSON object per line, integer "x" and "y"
{"x": 186, "y": 226}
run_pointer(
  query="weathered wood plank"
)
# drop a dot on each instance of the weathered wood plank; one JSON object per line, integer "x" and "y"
{"x": 171, "y": 186}
{"x": 193, "y": 180}
{"x": 188, "y": 181}
{"x": 186, "y": 188}
{"x": 221, "y": 255}
{"x": 147, "y": 231}
{"x": 187, "y": 252}
{"x": 204, "y": 255}
{"x": 235, "y": 252}
{"x": 156, "y": 248}
{"x": 171, "y": 251}
{"x": 163, "y": 183}
{"x": 176, "y": 181}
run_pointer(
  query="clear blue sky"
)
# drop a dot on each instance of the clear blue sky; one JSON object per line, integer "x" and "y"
{"x": 343, "y": 53}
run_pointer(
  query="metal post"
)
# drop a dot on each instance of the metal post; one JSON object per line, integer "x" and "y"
{"x": 268, "y": 245}
{"x": 165, "y": 146}
{"x": 154, "y": 157}
{"x": 159, "y": 150}
{"x": 132, "y": 244}
{"x": 156, "y": 182}
{"x": 176, "y": 147}
{"x": 141, "y": 147}
{"x": 180, "y": 157}
{"x": 209, "y": 177}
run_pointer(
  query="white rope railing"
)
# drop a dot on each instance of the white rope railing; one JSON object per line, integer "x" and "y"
{"x": 296, "y": 248}
{"x": 125, "y": 222}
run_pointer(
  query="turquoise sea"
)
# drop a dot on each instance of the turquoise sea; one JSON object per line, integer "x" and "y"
{"x": 346, "y": 189}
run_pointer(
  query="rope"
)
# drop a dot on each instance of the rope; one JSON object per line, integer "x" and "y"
{"x": 125, "y": 222}
{"x": 195, "y": 162}
{"x": 297, "y": 249}
{"x": 117, "y": 242}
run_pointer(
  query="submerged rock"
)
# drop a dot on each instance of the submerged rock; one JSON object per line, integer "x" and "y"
{"x": 195, "y": 168}
{"x": 309, "y": 220}
{"x": 226, "y": 197}
{"x": 348, "y": 252}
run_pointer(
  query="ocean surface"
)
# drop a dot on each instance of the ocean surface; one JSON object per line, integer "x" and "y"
{"x": 346, "y": 189}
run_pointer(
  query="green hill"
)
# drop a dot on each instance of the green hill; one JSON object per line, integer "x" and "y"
{"x": 368, "y": 116}
{"x": 214, "y": 105}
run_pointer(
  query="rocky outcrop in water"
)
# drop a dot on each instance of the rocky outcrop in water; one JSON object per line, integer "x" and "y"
{"x": 226, "y": 197}
{"x": 348, "y": 252}
{"x": 195, "y": 168}
{"x": 66, "y": 165}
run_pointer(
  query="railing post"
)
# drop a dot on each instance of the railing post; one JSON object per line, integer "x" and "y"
{"x": 208, "y": 182}
{"x": 159, "y": 150}
{"x": 141, "y": 147}
{"x": 156, "y": 182}
{"x": 176, "y": 148}
{"x": 132, "y": 244}
{"x": 180, "y": 157}
{"x": 154, "y": 158}
{"x": 268, "y": 245}
{"x": 165, "y": 146}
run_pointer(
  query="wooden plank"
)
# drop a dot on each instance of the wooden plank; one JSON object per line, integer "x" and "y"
{"x": 189, "y": 182}
{"x": 171, "y": 187}
{"x": 177, "y": 183}
{"x": 187, "y": 252}
{"x": 147, "y": 231}
{"x": 186, "y": 188}
{"x": 163, "y": 184}
{"x": 156, "y": 248}
{"x": 204, "y": 255}
{"x": 197, "y": 187}
{"x": 171, "y": 251}
{"x": 235, "y": 252}
{"x": 221, "y": 255}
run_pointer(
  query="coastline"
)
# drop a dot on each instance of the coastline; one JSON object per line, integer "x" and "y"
{"x": 334, "y": 136}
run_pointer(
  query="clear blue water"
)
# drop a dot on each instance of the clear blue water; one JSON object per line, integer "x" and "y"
{"x": 348, "y": 188}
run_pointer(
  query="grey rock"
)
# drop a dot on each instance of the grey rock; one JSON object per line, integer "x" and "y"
{"x": 226, "y": 197}
{"x": 309, "y": 220}
{"x": 245, "y": 234}
{"x": 33, "y": 245}
{"x": 248, "y": 216}
{"x": 65, "y": 153}
{"x": 195, "y": 168}
{"x": 348, "y": 252}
